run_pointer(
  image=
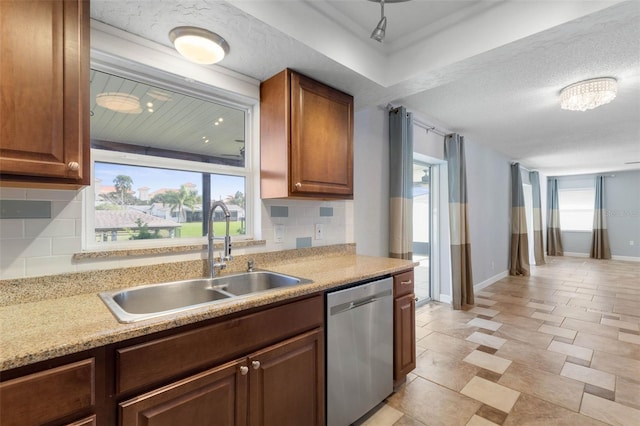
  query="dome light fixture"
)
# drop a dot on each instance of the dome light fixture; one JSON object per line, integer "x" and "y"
{"x": 119, "y": 102}
{"x": 199, "y": 45}
{"x": 588, "y": 94}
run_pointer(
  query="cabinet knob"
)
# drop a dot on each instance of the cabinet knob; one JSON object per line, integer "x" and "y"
{"x": 298, "y": 185}
{"x": 244, "y": 370}
{"x": 73, "y": 166}
{"x": 255, "y": 364}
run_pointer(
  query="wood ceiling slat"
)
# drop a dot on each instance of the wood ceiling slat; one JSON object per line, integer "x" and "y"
{"x": 176, "y": 124}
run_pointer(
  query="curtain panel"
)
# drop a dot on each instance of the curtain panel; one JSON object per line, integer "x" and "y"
{"x": 519, "y": 262}
{"x": 554, "y": 239}
{"x": 461, "y": 271}
{"x": 400, "y": 183}
{"x": 600, "y": 237}
{"x": 538, "y": 249}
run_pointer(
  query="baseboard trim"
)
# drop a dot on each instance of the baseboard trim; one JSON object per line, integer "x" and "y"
{"x": 445, "y": 298}
{"x": 626, "y": 258}
{"x": 573, "y": 254}
{"x": 491, "y": 280}
{"x": 613, "y": 257}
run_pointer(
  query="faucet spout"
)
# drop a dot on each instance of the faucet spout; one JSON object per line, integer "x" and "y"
{"x": 211, "y": 237}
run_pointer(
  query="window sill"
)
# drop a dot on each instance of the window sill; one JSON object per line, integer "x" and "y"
{"x": 113, "y": 254}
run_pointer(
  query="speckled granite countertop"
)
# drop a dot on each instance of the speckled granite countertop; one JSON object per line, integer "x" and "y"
{"x": 44, "y": 329}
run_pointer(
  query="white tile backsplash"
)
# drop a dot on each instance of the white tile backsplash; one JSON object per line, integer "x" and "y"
{"x": 36, "y": 247}
{"x": 11, "y": 228}
{"x": 36, "y": 228}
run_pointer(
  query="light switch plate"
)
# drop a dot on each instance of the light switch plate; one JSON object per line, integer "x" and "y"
{"x": 319, "y": 231}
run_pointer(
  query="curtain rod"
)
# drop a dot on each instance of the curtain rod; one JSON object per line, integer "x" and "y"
{"x": 428, "y": 127}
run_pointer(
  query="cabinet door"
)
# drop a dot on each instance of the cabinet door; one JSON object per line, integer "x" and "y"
{"x": 321, "y": 139}
{"x": 286, "y": 382}
{"x": 44, "y": 82}
{"x": 48, "y": 395}
{"x": 216, "y": 397}
{"x": 404, "y": 336}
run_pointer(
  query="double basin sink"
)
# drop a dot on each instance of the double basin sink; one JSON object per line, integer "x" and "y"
{"x": 155, "y": 300}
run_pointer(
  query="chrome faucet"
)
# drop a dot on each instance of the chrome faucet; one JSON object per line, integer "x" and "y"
{"x": 222, "y": 263}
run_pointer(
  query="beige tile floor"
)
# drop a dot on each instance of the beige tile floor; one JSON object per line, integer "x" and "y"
{"x": 561, "y": 347}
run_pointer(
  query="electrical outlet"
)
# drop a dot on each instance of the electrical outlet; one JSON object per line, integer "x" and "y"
{"x": 278, "y": 233}
{"x": 319, "y": 231}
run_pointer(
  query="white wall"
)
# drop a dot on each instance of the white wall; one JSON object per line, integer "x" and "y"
{"x": 371, "y": 182}
{"x": 622, "y": 203}
{"x": 488, "y": 192}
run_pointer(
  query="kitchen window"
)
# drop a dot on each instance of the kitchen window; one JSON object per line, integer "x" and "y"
{"x": 576, "y": 209}
{"x": 161, "y": 154}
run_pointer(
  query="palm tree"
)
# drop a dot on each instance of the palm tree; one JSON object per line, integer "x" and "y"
{"x": 236, "y": 199}
{"x": 179, "y": 199}
{"x": 123, "y": 184}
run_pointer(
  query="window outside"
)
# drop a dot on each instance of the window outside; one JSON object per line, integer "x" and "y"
{"x": 160, "y": 158}
{"x": 576, "y": 209}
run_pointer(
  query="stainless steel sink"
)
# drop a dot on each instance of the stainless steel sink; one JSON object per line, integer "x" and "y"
{"x": 253, "y": 282}
{"x": 151, "y": 301}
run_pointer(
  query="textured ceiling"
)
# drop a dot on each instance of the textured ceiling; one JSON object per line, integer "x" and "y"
{"x": 490, "y": 70}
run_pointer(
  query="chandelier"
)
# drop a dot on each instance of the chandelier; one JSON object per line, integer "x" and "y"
{"x": 588, "y": 94}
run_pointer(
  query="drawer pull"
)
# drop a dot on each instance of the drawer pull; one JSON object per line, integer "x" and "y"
{"x": 73, "y": 166}
{"x": 406, "y": 282}
{"x": 244, "y": 370}
{"x": 298, "y": 185}
{"x": 255, "y": 364}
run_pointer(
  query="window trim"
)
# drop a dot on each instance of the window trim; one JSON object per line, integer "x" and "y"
{"x": 560, "y": 209}
{"x": 160, "y": 78}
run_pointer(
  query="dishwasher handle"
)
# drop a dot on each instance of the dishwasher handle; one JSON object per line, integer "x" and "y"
{"x": 347, "y": 306}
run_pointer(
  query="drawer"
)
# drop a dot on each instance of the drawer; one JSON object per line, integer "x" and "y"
{"x": 170, "y": 357}
{"x": 48, "y": 395}
{"x": 88, "y": 421}
{"x": 403, "y": 284}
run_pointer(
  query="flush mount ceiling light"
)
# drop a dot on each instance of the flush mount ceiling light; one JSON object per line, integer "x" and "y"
{"x": 380, "y": 30}
{"x": 588, "y": 94}
{"x": 199, "y": 45}
{"x": 119, "y": 102}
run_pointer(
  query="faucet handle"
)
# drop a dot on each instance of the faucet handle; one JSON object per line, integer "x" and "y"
{"x": 250, "y": 265}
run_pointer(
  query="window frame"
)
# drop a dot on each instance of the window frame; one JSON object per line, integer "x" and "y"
{"x": 583, "y": 210}
{"x": 189, "y": 87}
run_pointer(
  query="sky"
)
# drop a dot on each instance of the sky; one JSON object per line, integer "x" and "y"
{"x": 221, "y": 186}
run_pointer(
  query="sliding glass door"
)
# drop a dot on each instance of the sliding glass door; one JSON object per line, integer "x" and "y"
{"x": 422, "y": 227}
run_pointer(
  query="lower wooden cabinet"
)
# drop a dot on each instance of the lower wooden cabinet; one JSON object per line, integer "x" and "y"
{"x": 214, "y": 397}
{"x": 49, "y": 396}
{"x": 404, "y": 324}
{"x": 286, "y": 382}
{"x": 282, "y": 384}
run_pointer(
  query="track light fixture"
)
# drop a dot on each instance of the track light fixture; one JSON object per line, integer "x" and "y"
{"x": 379, "y": 31}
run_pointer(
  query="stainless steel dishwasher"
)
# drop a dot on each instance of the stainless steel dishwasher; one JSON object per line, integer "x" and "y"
{"x": 359, "y": 350}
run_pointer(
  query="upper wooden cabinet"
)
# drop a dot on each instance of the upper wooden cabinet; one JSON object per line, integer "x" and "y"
{"x": 306, "y": 147}
{"x": 44, "y": 82}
